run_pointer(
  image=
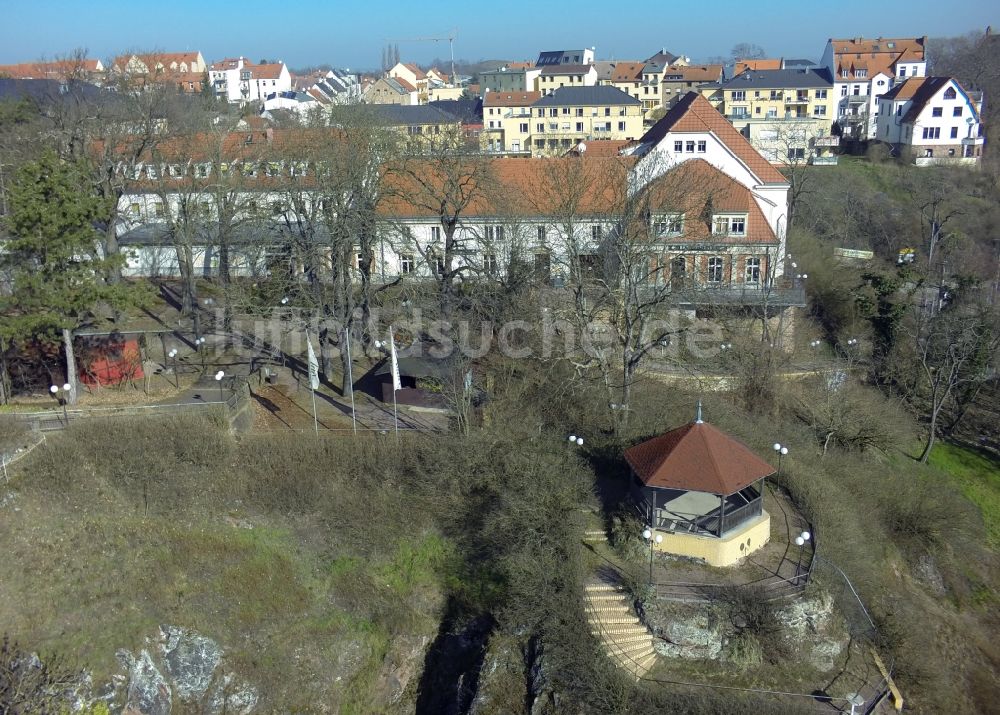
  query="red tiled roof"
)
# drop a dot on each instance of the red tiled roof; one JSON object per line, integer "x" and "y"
{"x": 417, "y": 72}
{"x": 269, "y": 71}
{"x": 694, "y": 73}
{"x": 689, "y": 187}
{"x": 697, "y": 457}
{"x": 627, "y": 71}
{"x": 754, "y": 65}
{"x": 47, "y": 70}
{"x": 905, "y": 90}
{"x": 601, "y": 148}
{"x": 878, "y": 56}
{"x": 694, "y": 113}
{"x": 405, "y": 85}
{"x": 510, "y": 99}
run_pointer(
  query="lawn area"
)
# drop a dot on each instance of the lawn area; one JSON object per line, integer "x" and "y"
{"x": 978, "y": 476}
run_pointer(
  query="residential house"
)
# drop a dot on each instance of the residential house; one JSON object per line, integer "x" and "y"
{"x": 335, "y": 86}
{"x": 787, "y": 114}
{"x": 570, "y": 115}
{"x": 553, "y": 77}
{"x": 418, "y": 122}
{"x": 741, "y": 66}
{"x": 744, "y": 249}
{"x": 713, "y": 209}
{"x": 565, "y": 57}
{"x": 81, "y": 69}
{"x": 185, "y": 71}
{"x": 668, "y": 59}
{"x": 865, "y": 69}
{"x": 392, "y": 90}
{"x": 629, "y": 78}
{"x": 511, "y": 77}
{"x": 677, "y": 80}
{"x": 507, "y": 120}
{"x": 932, "y": 119}
{"x": 239, "y": 81}
{"x": 431, "y": 85}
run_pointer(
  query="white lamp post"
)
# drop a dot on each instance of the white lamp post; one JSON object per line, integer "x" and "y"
{"x": 218, "y": 378}
{"x": 173, "y": 366}
{"x": 647, "y": 534}
{"x": 199, "y": 345}
{"x": 781, "y": 451}
{"x": 801, "y": 540}
{"x": 55, "y": 390}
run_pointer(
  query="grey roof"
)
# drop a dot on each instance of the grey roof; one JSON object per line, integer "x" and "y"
{"x": 566, "y": 69}
{"x": 799, "y": 63}
{"x": 559, "y": 57}
{"x": 586, "y": 96}
{"x": 663, "y": 57}
{"x": 419, "y": 366}
{"x": 399, "y": 114}
{"x": 159, "y": 234}
{"x": 50, "y": 91}
{"x": 467, "y": 110}
{"x": 781, "y": 79}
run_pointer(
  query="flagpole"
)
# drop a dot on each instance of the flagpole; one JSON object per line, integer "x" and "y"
{"x": 350, "y": 380}
{"x": 394, "y": 373}
{"x": 312, "y": 390}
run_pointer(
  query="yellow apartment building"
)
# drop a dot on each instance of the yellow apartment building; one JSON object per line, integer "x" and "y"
{"x": 570, "y": 115}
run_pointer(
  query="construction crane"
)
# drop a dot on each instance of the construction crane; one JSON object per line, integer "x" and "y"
{"x": 451, "y": 47}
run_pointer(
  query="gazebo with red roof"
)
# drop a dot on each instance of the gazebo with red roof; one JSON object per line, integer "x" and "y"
{"x": 703, "y": 491}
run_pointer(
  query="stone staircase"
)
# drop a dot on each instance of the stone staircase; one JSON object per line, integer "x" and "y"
{"x": 612, "y": 619}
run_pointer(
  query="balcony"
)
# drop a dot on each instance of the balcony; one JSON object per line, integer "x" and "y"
{"x": 857, "y": 99}
{"x": 827, "y": 141}
{"x": 972, "y": 141}
{"x": 797, "y": 100}
{"x": 823, "y": 161}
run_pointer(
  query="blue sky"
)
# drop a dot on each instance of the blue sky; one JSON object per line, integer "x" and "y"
{"x": 352, "y": 34}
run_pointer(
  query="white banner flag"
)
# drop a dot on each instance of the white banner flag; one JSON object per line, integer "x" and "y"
{"x": 396, "y": 383}
{"x": 313, "y": 366}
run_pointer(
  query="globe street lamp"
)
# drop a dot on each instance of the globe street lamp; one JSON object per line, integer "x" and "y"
{"x": 574, "y": 439}
{"x": 55, "y": 390}
{"x": 218, "y": 378}
{"x": 173, "y": 361}
{"x": 199, "y": 345}
{"x": 781, "y": 451}
{"x": 647, "y": 534}
{"x": 801, "y": 540}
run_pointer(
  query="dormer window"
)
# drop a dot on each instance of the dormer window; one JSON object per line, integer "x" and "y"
{"x": 845, "y": 73}
{"x": 729, "y": 225}
{"x": 860, "y": 74}
{"x": 668, "y": 224}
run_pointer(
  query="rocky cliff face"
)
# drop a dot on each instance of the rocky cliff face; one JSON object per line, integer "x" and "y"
{"x": 177, "y": 666}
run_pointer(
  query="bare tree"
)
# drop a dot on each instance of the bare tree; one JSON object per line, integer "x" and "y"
{"x": 747, "y": 51}
{"x": 440, "y": 180}
{"x": 951, "y": 349}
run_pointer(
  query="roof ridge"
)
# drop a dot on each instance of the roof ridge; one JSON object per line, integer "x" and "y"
{"x": 711, "y": 452}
